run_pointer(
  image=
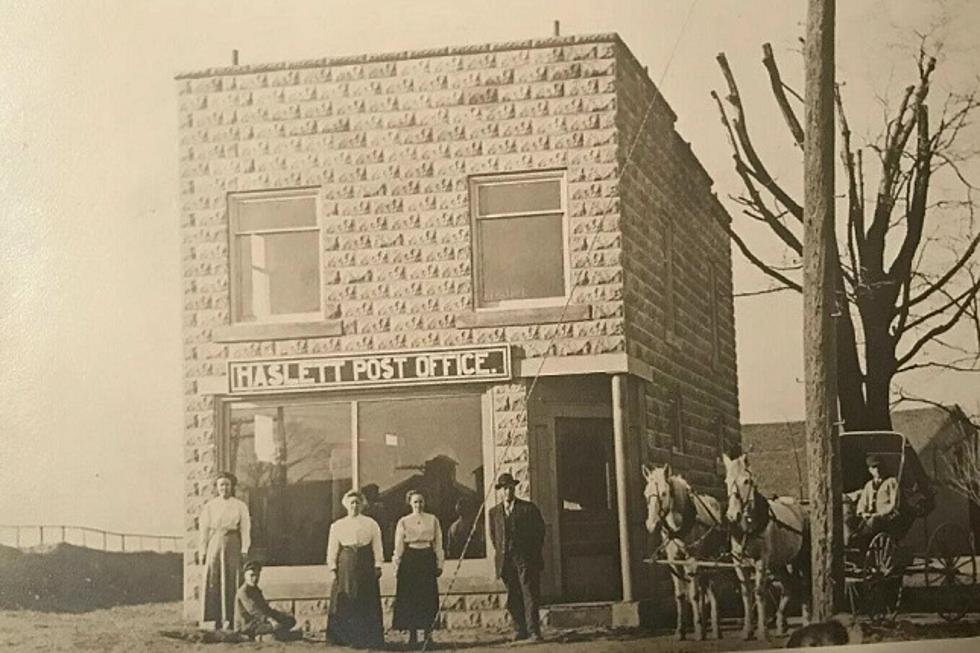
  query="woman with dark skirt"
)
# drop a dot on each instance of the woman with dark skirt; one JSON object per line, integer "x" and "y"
{"x": 225, "y": 529}
{"x": 354, "y": 557}
{"x": 418, "y": 562}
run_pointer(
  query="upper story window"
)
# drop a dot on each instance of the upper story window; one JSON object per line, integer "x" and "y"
{"x": 520, "y": 256}
{"x": 275, "y": 256}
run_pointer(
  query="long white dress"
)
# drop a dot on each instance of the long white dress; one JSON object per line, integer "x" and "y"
{"x": 226, "y": 535}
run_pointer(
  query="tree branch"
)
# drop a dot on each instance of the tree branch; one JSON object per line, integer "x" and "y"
{"x": 939, "y": 329}
{"x": 755, "y": 260}
{"x": 755, "y": 198}
{"x": 943, "y": 280}
{"x": 779, "y": 91}
{"x": 757, "y": 168}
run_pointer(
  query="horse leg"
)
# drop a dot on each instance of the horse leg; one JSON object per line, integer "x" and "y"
{"x": 679, "y": 600}
{"x": 713, "y": 604}
{"x": 760, "y": 600}
{"x": 781, "y": 610}
{"x": 694, "y": 597}
{"x": 746, "y": 592}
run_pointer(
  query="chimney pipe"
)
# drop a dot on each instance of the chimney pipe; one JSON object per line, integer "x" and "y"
{"x": 557, "y": 28}
{"x": 234, "y": 57}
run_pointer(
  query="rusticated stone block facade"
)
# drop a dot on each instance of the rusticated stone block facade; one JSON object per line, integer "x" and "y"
{"x": 390, "y": 143}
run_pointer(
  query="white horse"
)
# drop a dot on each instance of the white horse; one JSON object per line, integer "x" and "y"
{"x": 770, "y": 540}
{"x": 690, "y": 527}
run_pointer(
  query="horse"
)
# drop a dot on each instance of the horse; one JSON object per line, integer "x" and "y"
{"x": 770, "y": 540}
{"x": 690, "y": 525}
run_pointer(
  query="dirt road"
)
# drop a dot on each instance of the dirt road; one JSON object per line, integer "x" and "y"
{"x": 137, "y": 629}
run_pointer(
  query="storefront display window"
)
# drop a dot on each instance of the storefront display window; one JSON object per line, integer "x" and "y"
{"x": 432, "y": 445}
{"x": 294, "y": 461}
{"x": 293, "y": 464}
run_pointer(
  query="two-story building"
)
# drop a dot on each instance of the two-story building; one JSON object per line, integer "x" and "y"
{"x": 422, "y": 269}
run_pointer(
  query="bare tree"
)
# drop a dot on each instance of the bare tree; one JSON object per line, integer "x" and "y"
{"x": 906, "y": 277}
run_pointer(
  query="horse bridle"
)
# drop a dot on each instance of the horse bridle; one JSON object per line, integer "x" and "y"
{"x": 746, "y": 506}
{"x": 663, "y": 511}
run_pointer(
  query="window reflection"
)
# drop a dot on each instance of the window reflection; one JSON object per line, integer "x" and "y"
{"x": 293, "y": 465}
{"x": 432, "y": 445}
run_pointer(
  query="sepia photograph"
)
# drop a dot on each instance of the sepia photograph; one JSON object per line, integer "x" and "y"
{"x": 567, "y": 326}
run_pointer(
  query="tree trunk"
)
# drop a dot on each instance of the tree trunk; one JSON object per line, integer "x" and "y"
{"x": 879, "y": 361}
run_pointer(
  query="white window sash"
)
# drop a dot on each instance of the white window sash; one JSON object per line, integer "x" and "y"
{"x": 261, "y": 297}
{"x": 478, "y": 252}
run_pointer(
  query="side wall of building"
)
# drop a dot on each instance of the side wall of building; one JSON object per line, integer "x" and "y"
{"x": 679, "y": 308}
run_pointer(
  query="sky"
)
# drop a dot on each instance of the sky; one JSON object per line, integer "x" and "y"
{"x": 90, "y": 285}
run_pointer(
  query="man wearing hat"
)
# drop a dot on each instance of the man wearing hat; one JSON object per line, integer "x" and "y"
{"x": 517, "y": 532}
{"x": 877, "y": 500}
{"x": 253, "y": 615}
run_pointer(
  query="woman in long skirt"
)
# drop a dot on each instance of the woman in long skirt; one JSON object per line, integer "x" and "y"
{"x": 418, "y": 558}
{"x": 225, "y": 529}
{"x": 354, "y": 557}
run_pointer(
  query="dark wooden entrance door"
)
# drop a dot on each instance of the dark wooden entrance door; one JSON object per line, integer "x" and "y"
{"x": 588, "y": 529}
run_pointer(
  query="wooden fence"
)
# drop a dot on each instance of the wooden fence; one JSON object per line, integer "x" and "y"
{"x": 26, "y": 536}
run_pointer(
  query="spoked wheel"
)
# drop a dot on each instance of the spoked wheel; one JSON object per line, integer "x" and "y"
{"x": 951, "y": 566}
{"x": 881, "y": 587}
{"x": 879, "y": 559}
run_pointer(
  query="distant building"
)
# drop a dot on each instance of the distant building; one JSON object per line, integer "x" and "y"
{"x": 383, "y": 254}
{"x": 777, "y": 452}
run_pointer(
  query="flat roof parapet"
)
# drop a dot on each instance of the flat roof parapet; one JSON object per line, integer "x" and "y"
{"x": 552, "y": 41}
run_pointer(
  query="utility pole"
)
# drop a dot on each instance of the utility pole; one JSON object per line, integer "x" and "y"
{"x": 819, "y": 305}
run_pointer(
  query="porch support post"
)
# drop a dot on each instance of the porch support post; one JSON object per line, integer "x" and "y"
{"x": 619, "y": 452}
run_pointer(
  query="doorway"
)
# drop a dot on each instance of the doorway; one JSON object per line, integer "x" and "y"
{"x": 587, "y": 523}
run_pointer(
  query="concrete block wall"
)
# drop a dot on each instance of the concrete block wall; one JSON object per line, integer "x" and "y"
{"x": 661, "y": 181}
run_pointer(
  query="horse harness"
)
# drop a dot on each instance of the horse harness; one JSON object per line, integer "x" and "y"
{"x": 690, "y": 519}
{"x": 760, "y": 517}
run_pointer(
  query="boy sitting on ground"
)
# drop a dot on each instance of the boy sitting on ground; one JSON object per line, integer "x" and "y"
{"x": 253, "y": 616}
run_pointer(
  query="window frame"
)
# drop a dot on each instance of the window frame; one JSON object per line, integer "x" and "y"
{"x": 481, "y": 181}
{"x": 236, "y": 274}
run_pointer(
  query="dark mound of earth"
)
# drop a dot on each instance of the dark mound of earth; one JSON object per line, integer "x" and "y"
{"x": 68, "y": 578}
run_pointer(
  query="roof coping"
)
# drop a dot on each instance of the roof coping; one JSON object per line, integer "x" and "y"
{"x": 550, "y": 42}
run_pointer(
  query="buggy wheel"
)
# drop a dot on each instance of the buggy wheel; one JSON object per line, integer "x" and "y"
{"x": 879, "y": 559}
{"x": 952, "y": 567}
{"x": 881, "y": 586}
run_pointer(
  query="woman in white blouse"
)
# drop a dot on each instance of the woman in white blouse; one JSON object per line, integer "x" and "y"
{"x": 354, "y": 558}
{"x": 418, "y": 559}
{"x": 225, "y": 529}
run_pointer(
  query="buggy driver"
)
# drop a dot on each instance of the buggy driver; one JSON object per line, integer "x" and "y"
{"x": 877, "y": 500}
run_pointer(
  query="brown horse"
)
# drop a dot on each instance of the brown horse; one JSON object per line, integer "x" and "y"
{"x": 690, "y": 527}
{"x": 769, "y": 541}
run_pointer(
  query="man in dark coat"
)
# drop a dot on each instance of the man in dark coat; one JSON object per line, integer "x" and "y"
{"x": 517, "y": 531}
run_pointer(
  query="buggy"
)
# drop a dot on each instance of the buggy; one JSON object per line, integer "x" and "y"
{"x": 876, "y": 563}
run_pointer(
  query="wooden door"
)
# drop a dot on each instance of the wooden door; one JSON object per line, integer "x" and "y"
{"x": 588, "y": 527}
